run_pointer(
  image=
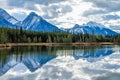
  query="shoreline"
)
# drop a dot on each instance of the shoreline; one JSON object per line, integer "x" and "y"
{"x": 55, "y": 44}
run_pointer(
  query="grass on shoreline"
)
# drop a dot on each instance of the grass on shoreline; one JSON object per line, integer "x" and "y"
{"x": 52, "y": 44}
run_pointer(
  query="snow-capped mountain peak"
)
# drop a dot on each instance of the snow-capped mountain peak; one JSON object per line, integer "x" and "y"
{"x": 35, "y": 17}
{"x": 76, "y": 26}
{"x": 31, "y": 20}
{"x": 37, "y": 23}
{"x": 94, "y": 24}
{"x": 33, "y": 14}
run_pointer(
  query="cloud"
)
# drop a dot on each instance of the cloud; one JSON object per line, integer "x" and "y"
{"x": 111, "y": 17}
{"x": 29, "y": 4}
{"x": 48, "y": 9}
{"x": 115, "y": 27}
{"x": 20, "y": 16}
{"x": 108, "y": 5}
{"x": 102, "y": 7}
{"x": 113, "y": 24}
{"x": 3, "y": 3}
{"x": 109, "y": 76}
{"x": 53, "y": 11}
{"x": 93, "y": 12}
{"x": 18, "y": 13}
{"x": 46, "y": 2}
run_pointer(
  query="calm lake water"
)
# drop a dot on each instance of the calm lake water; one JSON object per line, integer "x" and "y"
{"x": 60, "y": 63}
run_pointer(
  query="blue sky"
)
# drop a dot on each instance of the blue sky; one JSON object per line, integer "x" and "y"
{"x": 66, "y": 13}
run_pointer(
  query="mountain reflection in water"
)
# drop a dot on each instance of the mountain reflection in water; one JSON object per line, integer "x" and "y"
{"x": 60, "y": 62}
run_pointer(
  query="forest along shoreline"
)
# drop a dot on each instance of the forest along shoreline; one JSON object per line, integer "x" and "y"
{"x": 19, "y": 37}
{"x": 55, "y": 44}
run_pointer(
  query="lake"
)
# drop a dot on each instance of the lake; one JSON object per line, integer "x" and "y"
{"x": 60, "y": 63}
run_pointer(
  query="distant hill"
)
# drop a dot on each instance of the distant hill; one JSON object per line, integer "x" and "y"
{"x": 91, "y": 28}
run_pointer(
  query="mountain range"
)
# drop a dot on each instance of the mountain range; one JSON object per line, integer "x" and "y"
{"x": 32, "y": 22}
{"x": 35, "y": 22}
{"x": 91, "y": 28}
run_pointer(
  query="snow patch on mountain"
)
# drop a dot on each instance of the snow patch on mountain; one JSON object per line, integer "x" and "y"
{"x": 7, "y": 17}
{"x": 5, "y": 23}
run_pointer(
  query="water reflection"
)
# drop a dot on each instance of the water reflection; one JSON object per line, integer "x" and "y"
{"x": 32, "y": 57}
{"x": 59, "y": 62}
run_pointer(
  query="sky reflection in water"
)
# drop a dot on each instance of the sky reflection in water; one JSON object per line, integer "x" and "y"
{"x": 60, "y": 63}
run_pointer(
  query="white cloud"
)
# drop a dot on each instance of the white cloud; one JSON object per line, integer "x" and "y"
{"x": 3, "y": 3}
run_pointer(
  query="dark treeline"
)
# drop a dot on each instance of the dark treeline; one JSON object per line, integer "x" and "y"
{"x": 8, "y": 35}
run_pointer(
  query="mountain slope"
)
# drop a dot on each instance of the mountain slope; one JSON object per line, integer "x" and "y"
{"x": 37, "y": 23}
{"x": 7, "y": 66}
{"x": 7, "y": 17}
{"x": 5, "y": 23}
{"x": 34, "y": 63}
{"x": 91, "y": 28}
